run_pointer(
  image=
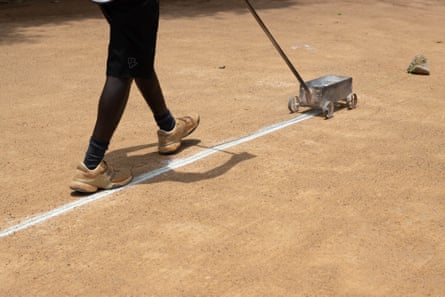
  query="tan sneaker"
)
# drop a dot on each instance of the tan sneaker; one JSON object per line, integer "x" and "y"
{"x": 103, "y": 177}
{"x": 170, "y": 142}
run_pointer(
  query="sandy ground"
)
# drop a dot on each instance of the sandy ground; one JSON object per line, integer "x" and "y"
{"x": 351, "y": 206}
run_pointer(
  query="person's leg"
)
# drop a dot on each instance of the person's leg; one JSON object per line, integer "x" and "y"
{"x": 94, "y": 173}
{"x": 152, "y": 93}
{"x": 171, "y": 130}
{"x": 112, "y": 103}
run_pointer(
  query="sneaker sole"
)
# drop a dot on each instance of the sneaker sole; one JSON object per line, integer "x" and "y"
{"x": 83, "y": 188}
{"x": 87, "y": 188}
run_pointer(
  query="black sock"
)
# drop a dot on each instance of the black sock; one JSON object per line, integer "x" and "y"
{"x": 95, "y": 153}
{"x": 166, "y": 121}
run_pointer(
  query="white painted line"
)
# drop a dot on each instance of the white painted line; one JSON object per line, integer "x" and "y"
{"x": 149, "y": 175}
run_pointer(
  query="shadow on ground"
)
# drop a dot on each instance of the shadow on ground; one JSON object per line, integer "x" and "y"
{"x": 17, "y": 15}
{"x": 144, "y": 159}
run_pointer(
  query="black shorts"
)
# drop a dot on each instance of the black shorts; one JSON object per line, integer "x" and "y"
{"x": 133, "y": 32}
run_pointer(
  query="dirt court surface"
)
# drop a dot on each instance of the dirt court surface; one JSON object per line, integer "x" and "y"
{"x": 351, "y": 206}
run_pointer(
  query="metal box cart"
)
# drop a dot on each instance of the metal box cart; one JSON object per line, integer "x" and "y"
{"x": 321, "y": 93}
{"x": 325, "y": 92}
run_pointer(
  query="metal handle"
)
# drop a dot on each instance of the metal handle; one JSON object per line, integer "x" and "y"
{"x": 278, "y": 48}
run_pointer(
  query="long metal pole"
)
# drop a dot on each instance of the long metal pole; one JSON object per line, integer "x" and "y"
{"x": 278, "y": 48}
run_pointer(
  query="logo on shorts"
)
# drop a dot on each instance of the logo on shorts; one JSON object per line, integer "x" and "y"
{"x": 132, "y": 62}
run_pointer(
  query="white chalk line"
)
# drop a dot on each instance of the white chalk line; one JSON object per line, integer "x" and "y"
{"x": 152, "y": 174}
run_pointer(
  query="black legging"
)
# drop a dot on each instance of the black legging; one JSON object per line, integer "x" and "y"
{"x": 114, "y": 99}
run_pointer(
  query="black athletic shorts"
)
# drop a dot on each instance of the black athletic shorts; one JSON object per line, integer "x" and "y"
{"x": 133, "y": 32}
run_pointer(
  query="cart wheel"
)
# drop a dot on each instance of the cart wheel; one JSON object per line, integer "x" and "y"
{"x": 294, "y": 104}
{"x": 352, "y": 101}
{"x": 328, "y": 109}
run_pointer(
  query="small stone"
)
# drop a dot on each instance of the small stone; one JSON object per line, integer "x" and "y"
{"x": 419, "y": 65}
